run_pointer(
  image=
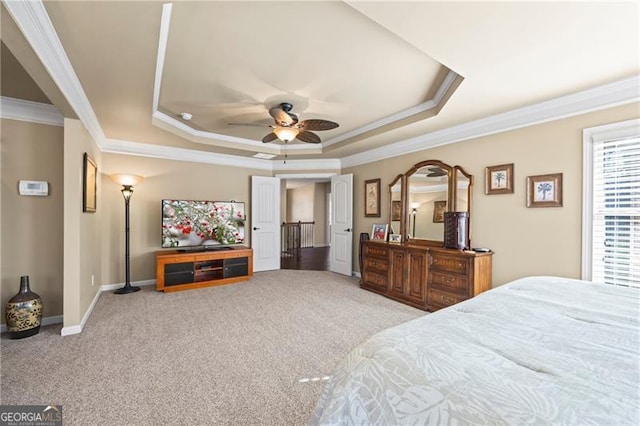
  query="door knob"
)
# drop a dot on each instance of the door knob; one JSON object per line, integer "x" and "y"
{"x": 347, "y": 230}
{"x": 255, "y": 229}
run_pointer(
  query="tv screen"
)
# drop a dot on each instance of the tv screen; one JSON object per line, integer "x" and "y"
{"x": 189, "y": 223}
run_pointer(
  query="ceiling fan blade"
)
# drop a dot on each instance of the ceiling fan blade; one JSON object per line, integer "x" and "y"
{"x": 282, "y": 117}
{"x": 315, "y": 124}
{"x": 249, "y": 124}
{"x": 306, "y": 136}
{"x": 270, "y": 137}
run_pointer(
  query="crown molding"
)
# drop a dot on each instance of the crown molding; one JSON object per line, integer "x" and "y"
{"x": 117, "y": 146}
{"x": 447, "y": 82}
{"x": 32, "y": 19}
{"x": 601, "y": 97}
{"x": 305, "y": 175}
{"x": 33, "y": 112}
{"x": 314, "y": 164}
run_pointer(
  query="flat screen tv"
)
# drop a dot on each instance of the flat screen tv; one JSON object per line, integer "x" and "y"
{"x": 190, "y": 223}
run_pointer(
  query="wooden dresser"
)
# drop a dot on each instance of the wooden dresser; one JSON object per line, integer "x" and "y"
{"x": 425, "y": 277}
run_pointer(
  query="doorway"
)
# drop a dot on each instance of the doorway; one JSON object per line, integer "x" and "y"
{"x": 305, "y": 223}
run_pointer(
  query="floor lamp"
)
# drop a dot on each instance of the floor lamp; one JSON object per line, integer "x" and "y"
{"x": 414, "y": 212}
{"x": 127, "y": 182}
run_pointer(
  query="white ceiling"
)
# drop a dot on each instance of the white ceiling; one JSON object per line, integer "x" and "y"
{"x": 385, "y": 71}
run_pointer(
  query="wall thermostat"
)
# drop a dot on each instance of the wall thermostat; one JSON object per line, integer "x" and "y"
{"x": 33, "y": 187}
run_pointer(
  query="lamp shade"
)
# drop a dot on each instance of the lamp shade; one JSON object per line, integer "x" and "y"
{"x": 286, "y": 134}
{"x": 415, "y": 206}
{"x": 126, "y": 180}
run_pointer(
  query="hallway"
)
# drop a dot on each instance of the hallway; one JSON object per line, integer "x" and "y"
{"x": 311, "y": 259}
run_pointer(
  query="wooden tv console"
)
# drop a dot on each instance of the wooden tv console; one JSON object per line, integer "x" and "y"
{"x": 183, "y": 269}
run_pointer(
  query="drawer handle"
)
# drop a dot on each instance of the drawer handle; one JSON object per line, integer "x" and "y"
{"x": 449, "y": 280}
{"x": 447, "y": 299}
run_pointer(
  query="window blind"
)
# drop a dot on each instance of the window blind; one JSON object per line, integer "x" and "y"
{"x": 616, "y": 212}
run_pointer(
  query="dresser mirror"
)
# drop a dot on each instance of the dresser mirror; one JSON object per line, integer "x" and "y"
{"x": 433, "y": 188}
{"x": 395, "y": 203}
{"x": 463, "y": 190}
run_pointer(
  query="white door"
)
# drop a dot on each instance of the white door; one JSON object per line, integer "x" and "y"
{"x": 341, "y": 251}
{"x": 265, "y": 223}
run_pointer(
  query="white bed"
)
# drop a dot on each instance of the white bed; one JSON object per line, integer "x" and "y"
{"x": 539, "y": 350}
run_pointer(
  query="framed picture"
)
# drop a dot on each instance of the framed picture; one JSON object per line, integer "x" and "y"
{"x": 544, "y": 190}
{"x": 372, "y": 198}
{"x": 379, "y": 232}
{"x": 89, "y": 185}
{"x": 396, "y": 209}
{"x": 439, "y": 207}
{"x": 498, "y": 179}
{"x": 395, "y": 238}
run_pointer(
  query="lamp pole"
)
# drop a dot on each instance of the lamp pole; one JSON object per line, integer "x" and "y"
{"x": 414, "y": 212}
{"x": 127, "y": 192}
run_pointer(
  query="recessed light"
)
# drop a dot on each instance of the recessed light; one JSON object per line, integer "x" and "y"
{"x": 264, "y": 156}
{"x": 186, "y": 116}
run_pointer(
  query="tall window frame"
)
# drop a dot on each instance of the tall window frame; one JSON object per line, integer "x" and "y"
{"x": 611, "y": 216}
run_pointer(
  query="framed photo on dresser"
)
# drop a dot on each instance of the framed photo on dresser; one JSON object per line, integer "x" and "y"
{"x": 379, "y": 232}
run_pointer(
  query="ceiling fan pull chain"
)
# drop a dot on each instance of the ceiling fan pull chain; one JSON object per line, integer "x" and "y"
{"x": 285, "y": 152}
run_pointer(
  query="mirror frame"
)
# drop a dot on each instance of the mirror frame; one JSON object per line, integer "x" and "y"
{"x": 391, "y": 185}
{"x": 469, "y": 176}
{"x": 452, "y": 193}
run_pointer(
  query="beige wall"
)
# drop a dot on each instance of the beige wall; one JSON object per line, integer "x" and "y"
{"x": 526, "y": 241}
{"x": 164, "y": 179}
{"x": 32, "y": 226}
{"x": 320, "y": 213}
{"x": 82, "y": 231}
{"x": 300, "y": 203}
{"x": 308, "y": 204}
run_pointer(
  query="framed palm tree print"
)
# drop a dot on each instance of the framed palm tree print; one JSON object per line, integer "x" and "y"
{"x": 544, "y": 190}
{"x": 499, "y": 179}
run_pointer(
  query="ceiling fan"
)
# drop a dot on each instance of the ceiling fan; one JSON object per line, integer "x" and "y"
{"x": 287, "y": 127}
{"x": 436, "y": 172}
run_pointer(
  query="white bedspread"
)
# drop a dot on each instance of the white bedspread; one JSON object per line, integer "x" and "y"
{"x": 539, "y": 350}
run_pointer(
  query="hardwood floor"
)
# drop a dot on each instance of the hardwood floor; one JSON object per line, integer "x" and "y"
{"x": 311, "y": 259}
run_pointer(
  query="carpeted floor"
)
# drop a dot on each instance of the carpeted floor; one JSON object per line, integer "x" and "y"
{"x": 232, "y": 354}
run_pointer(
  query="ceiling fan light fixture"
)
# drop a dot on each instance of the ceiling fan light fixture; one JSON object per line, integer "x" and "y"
{"x": 286, "y": 134}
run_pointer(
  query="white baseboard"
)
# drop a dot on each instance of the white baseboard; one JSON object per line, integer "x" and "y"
{"x": 76, "y": 329}
{"x": 356, "y": 274}
{"x": 108, "y": 287}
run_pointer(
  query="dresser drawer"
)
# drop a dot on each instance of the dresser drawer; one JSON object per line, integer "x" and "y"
{"x": 376, "y": 279}
{"x": 375, "y": 264}
{"x": 441, "y": 299}
{"x": 378, "y": 251}
{"x": 447, "y": 263}
{"x": 449, "y": 282}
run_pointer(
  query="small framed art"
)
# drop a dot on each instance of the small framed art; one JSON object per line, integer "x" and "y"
{"x": 544, "y": 190}
{"x": 372, "y": 198}
{"x": 89, "y": 185}
{"x": 396, "y": 209}
{"x": 395, "y": 238}
{"x": 498, "y": 179}
{"x": 439, "y": 207}
{"x": 379, "y": 232}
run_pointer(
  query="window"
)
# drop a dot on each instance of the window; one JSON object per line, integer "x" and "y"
{"x": 611, "y": 204}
